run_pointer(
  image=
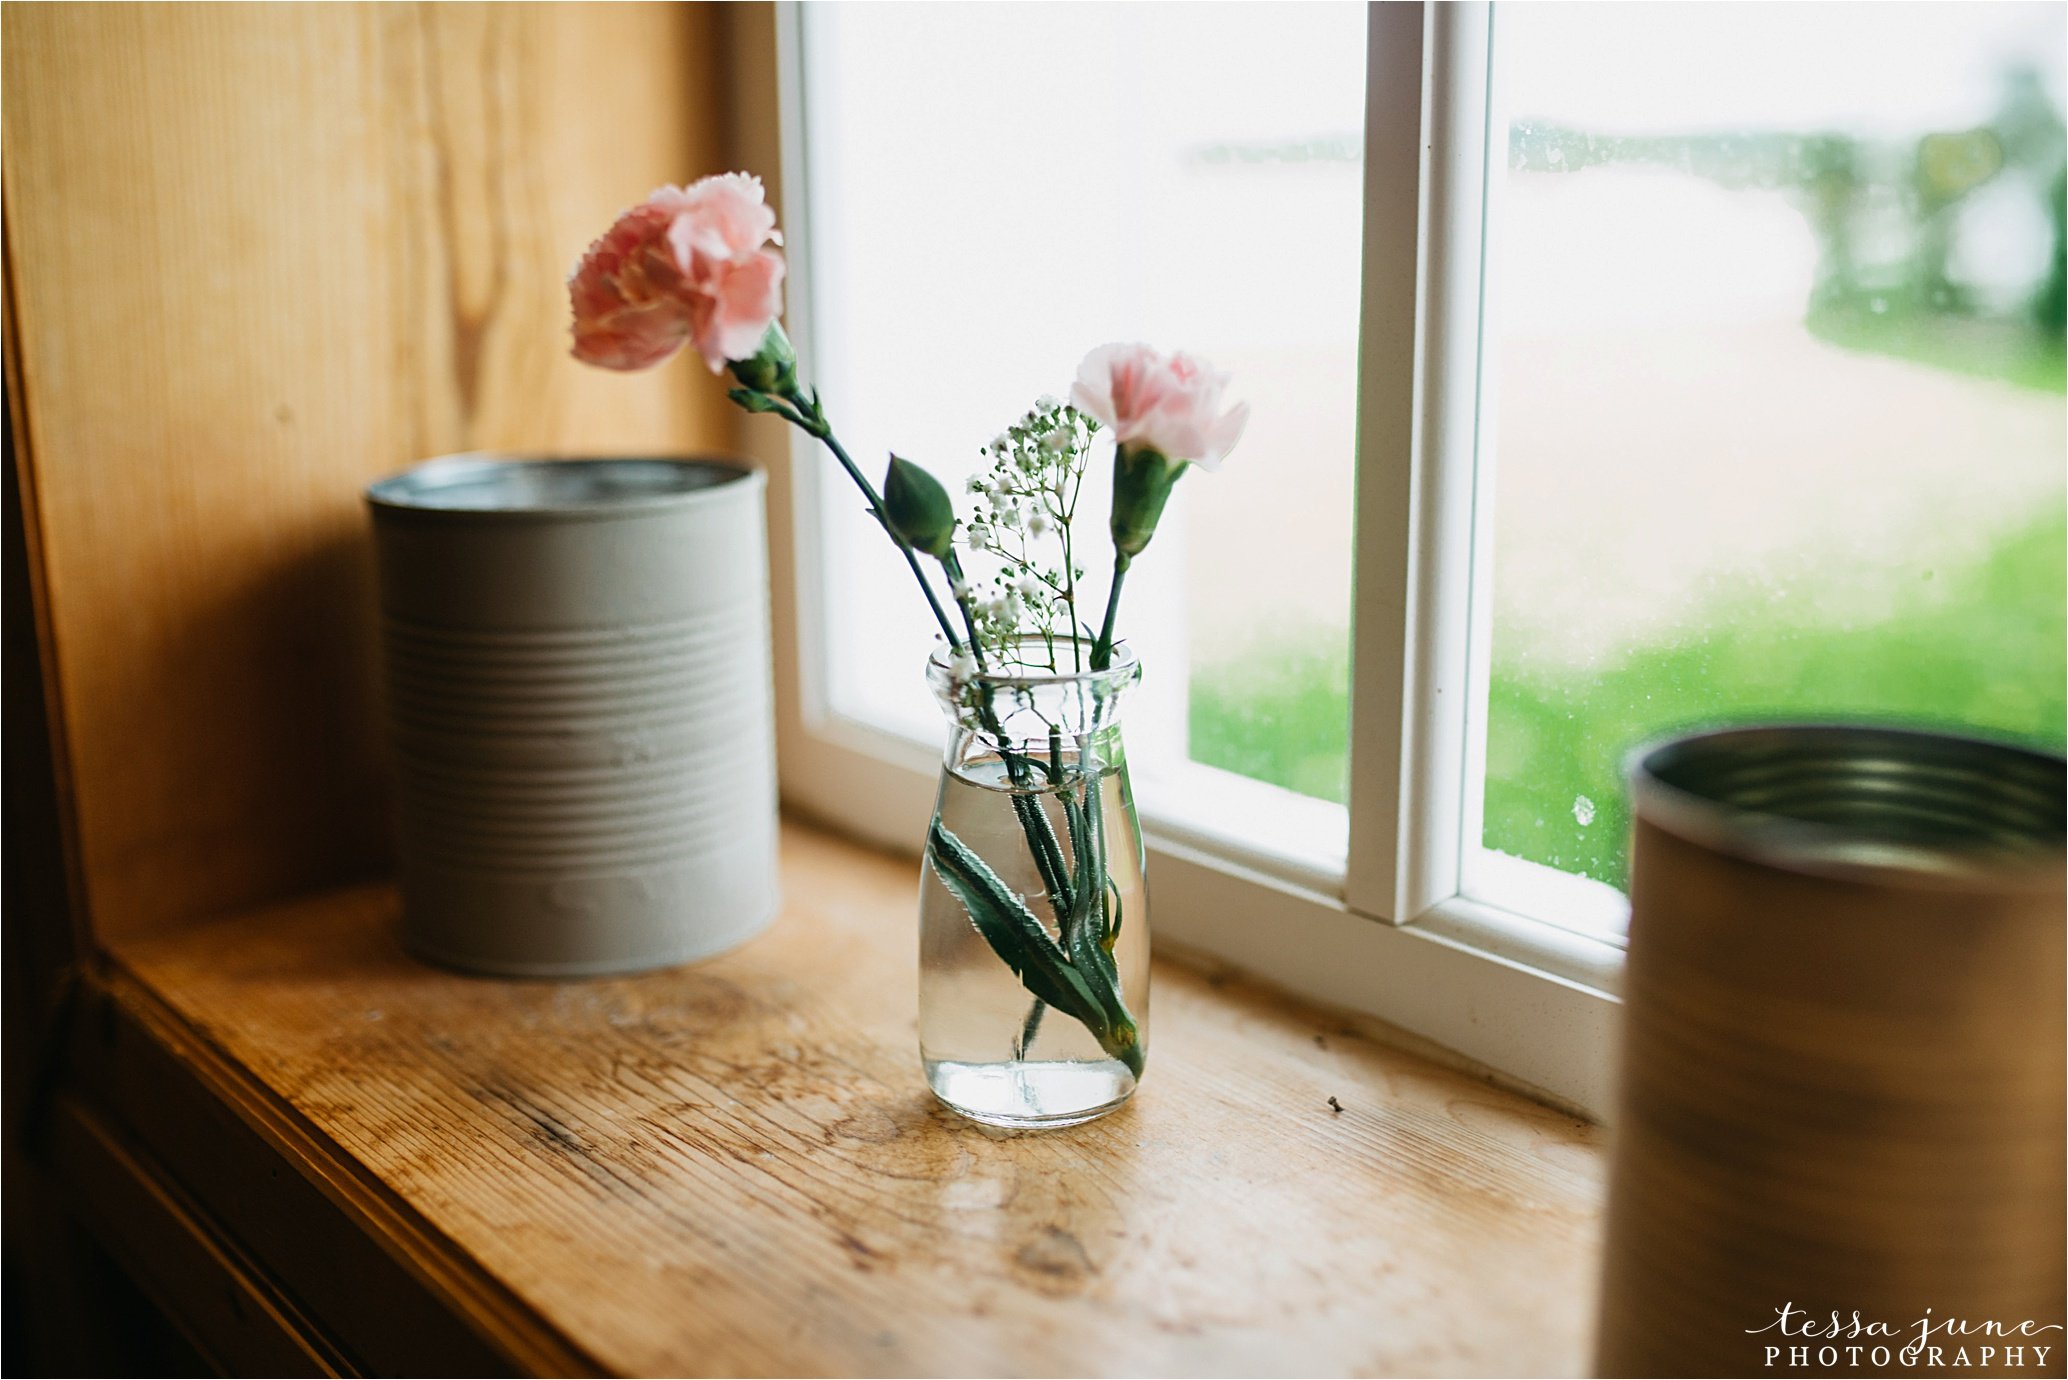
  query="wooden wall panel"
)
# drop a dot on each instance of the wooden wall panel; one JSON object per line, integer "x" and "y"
{"x": 260, "y": 255}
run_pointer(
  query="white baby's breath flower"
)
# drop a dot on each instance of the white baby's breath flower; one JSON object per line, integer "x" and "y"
{"x": 959, "y": 588}
{"x": 1033, "y": 466}
{"x": 962, "y": 665}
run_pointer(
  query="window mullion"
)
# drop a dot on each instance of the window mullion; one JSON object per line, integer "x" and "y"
{"x": 1425, "y": 165}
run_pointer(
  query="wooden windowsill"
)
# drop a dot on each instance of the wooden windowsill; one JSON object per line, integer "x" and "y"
{"x": 736, "y": 1168}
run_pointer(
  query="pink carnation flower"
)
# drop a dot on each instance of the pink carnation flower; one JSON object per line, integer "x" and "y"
{"x": 689, "y": 265}
{"x": 1170, "y": 404}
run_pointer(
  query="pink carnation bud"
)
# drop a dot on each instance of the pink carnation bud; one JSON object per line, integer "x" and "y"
{"x": 689, "y": 265}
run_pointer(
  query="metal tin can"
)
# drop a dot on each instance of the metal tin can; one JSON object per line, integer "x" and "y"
{"x": 580, "y": 710}
{"x": 1843, "y": 1074}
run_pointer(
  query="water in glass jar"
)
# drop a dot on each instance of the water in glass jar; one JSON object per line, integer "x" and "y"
{"x": 992, "y": 1052}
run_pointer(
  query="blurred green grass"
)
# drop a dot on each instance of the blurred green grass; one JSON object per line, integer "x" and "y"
{"x": 1979, "y": 647}
{"x": 1279, "y": 714}
{"x": 2006, "y": 350}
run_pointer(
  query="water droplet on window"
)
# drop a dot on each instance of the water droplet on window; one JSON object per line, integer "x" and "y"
{"x": 1583, "y": 810}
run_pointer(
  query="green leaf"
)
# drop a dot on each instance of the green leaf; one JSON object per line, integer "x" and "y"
{"x": 917, "y": 510}
{"x": 1012, "y": 931}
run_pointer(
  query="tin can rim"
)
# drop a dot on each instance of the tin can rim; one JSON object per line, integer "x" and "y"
{"x": 504, "y": 486}
{"x": 2018, "y": 858}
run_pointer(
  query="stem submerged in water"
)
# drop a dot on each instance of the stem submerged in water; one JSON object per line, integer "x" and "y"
{"x": 1029, "y": 1029}
{"x": 1078, "y": 886}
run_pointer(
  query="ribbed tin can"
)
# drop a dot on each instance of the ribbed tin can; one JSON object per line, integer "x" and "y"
{"x": 580, "y": 710}
{"x": 1843, "y": 1056}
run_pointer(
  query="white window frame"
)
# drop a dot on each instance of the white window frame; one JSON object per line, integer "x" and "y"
{"x": 1392, "y": 933}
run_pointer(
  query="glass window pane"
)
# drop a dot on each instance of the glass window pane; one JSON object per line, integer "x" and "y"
{"x": 995, "y": 189}
{"x": 1777, "y": 328}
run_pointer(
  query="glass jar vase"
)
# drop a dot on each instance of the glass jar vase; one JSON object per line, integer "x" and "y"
{"x": 1033, "y": 907}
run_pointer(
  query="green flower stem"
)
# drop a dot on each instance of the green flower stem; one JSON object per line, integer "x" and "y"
{"x": 806, "y": 413}
{"x": 1102, "y": 650}
{"x": 1041, "y": 838}
{"x": 802, "y": 410}
{"x": 1031, "y": 1026}
{"x": 1042, "y": 843}
{"x": 1076, "y": 968}
{"x": 825, "y": 433}
{"x": 951, "y": 565}
{"x": 1070, "y": 595}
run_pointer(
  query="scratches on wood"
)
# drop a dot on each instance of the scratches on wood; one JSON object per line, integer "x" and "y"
{"x": 735, "y": 1167}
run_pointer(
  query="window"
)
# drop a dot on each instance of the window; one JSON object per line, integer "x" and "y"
{"x": 1016, "y": 184}
{"x": 1776, "y": 337}
{"x": 1427, "y": 826}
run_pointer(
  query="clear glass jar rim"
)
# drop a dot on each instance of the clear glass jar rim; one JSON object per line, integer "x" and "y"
{"x": 1125, "y": 669}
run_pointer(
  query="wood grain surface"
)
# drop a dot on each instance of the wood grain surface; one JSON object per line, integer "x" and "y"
{"x": 258, "y": 256}
{"x": 736, "y": 1168}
